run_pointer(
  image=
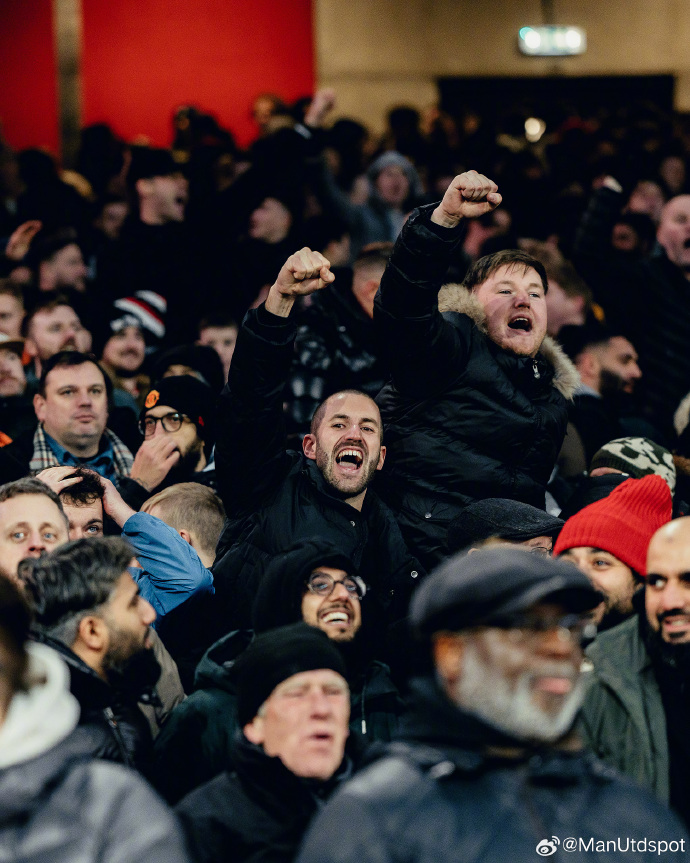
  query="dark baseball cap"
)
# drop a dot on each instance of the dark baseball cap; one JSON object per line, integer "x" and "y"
{"x": 489, "y": 585}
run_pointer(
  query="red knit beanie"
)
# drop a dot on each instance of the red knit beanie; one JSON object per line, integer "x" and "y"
{"x": 622, "y": 523}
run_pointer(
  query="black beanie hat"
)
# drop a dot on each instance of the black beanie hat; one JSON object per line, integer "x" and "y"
{"x": 275, "y": 656}
{"x": 186, "y": 395}
{"x": 279, "y": 596}
{"x": 203, "y": 359}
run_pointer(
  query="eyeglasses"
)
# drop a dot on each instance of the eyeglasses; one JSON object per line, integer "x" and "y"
{"x": 323, "y": 585}
{"x": 530, "y": 627}
{"x": 170, "y": 422}
{"x": 543, "y": 550}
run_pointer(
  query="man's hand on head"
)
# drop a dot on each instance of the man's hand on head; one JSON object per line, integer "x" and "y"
{"x": 469, "y": 196}
{"x": 153, "y": 461}
{"x": 301, "y": 275}
{"x": 58, "y": 478}
{"x": 113, "y": 504}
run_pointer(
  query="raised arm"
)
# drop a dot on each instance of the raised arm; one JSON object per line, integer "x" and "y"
{"x": 250, "y": 448}
{"x": 419, "y": 346}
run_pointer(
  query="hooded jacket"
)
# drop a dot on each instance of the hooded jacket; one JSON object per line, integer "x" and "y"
{"x": 206, "y": 723}
{"x": 373, "y": 221}
{"x": 437, "y": 796}
{"x": 58, "y": 805}
{"x": 464, "y": 419}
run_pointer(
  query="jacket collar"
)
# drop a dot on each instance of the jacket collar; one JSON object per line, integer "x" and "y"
{"x": 456, "y": 298}
{"x": 444, "y": 740}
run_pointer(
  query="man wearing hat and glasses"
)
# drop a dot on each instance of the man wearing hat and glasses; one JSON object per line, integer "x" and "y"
{"x": 177, "y": 425}
{"x": 488, "y": 767}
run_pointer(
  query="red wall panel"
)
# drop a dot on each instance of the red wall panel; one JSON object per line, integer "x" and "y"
{"x": 142, "y": 58}
{"x": 28, "y": 99}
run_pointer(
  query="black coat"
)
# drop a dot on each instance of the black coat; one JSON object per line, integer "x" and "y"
{"x": 464, "y": 419}
{"x": 438, "y": 798}
{"x": 647, "y": 300}
{"x": 198, "y": 739}
{"x": 258, "y": 813}
{"x": 109, "y": 717}
{"x": 274, "y": 498}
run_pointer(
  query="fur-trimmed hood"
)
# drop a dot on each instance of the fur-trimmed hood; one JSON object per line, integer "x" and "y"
{"x": 456, "y": 298}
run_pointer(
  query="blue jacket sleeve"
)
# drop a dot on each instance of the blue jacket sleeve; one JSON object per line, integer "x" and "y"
{"x": 171, "y": 569}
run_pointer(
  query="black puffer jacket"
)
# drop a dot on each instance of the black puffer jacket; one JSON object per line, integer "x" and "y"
{"x": 274, "y": 498}
{"x": 464, "y": 419}
{"x": 199, "y": 737}
{"x": 437, "y": 797}
{"x": 257, "y": 813}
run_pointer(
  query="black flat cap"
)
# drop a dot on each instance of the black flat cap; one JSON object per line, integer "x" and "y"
{"x": 486, "y": 586}
{"x": 500, "y": 517}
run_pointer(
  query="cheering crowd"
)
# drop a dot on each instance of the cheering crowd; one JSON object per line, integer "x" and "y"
{"x": 343, "y": 491}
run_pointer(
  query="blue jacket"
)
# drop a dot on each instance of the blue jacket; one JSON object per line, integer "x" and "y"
{"x": 171, "y": 569}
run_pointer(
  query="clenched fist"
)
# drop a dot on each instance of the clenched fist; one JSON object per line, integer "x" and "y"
{"x": 469, "y": 195}
{"x": 302, "y": 274}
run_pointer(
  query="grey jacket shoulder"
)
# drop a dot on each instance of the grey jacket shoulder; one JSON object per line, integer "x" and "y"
{"x": 89, "y": 811}
{"x": 623, "y": 716}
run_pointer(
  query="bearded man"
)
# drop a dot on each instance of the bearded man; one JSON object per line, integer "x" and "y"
{"x": 488, "y": 767}
{"x": 273, "y": 497}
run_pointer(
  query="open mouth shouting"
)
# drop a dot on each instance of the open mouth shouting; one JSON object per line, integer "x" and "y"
{"x": 350, "y": 459}
{"x": 521, "y": 323}
{"x": 340, "y": 620}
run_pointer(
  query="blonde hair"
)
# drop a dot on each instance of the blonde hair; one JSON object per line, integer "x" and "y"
{"x": 193, "y": 507}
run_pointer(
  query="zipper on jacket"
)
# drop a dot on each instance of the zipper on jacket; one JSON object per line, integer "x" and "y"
{"x": 112, "y": 722}
{"x": 537, "y": 373}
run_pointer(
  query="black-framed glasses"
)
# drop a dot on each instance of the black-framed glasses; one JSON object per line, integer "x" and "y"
{"x": 171, "y": 422}
{"x": 323, "y": 585}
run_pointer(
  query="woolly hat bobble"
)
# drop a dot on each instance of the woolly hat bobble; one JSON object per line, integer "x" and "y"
{"x": 622, "y": 523}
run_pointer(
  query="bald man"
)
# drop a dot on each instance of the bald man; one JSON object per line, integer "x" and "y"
{"x": 657, "y": 283}
{"x": 637, "y": 711}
